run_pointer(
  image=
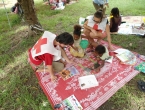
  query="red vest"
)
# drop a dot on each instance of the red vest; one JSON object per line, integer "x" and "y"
{"x": 99, "y": 27}
{"x": 45, "y": 45}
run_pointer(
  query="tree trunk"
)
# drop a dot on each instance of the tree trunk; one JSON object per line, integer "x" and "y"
{"x": 30, "y": 16}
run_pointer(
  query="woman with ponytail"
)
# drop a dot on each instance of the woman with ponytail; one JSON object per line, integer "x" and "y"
{"x": 97, "y": 27}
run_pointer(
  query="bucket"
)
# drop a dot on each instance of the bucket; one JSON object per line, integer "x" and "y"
{"x": 84, "y": 44}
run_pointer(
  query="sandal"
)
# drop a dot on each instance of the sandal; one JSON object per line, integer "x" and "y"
{"x": 141, "y": 85}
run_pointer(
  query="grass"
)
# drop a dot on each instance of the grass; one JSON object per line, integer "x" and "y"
{"x": 19, "y": 88}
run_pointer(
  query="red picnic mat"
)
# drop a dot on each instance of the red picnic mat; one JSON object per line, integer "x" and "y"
{"x": 111, "y": 78}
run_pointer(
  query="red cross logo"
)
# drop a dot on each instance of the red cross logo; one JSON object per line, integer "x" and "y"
{"x": 40, "y": 42}
{"x": 96, "y": 28}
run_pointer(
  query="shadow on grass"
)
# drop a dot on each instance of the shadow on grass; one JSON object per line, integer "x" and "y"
{"x": 22, "y": 91}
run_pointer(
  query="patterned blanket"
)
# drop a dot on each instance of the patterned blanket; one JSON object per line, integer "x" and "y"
{"x": 111, "y": 78}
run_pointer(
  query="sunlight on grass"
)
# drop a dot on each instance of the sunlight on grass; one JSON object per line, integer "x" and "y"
{"x": 18, "y": 61}
{"x": 21, "y": 28}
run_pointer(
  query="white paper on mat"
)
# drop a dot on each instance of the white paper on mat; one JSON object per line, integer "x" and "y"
{"x": 88, "y": 81}
{"x": 120, "y": 50}
{"x": 72, "y": 103}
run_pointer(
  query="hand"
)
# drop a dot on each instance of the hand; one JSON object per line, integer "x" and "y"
{"x": 64, "y": 62}
{"x": 97, "y": 70}
{"x": 111, "y": 48}
{"x": 93, "y": 30}
{"x": 71, "y": 62}
{"x": 53, "y": 78}
{"x": 76, "y": 49}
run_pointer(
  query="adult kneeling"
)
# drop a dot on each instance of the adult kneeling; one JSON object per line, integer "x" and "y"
{"x": 46, "y": 55}
{"x": 97, "y": 27}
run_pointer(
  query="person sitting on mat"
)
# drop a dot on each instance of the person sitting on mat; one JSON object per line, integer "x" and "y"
{"x": 49, "y": 51}
{"x": 97, "y": 27}
{"x": 102, "y": 54}
{"x": 76, "y": 50}
{"x": 115, "y": 20}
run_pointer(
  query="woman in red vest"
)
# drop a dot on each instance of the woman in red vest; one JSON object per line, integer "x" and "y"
{"x": 97, "y": 27}
{"x": 48, "y": 55}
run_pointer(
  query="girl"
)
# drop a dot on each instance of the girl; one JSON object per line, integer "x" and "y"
{"x": 115, "y": 20}
{"x": 76, "y": 50}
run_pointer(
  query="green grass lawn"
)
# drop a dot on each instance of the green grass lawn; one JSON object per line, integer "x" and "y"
{"x": 19, "y": 88}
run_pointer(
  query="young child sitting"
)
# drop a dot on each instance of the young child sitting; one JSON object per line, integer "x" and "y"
{"x": 115, "y": 20}
{"x": 76, "y": 50}
{"x": 102, "y": 54}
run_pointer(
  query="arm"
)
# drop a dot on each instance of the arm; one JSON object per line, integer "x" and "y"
{"x": 86, "y": 26}
{"x": 75, "y": 48}
{"x": 90, "y": 28}
{"x": 110, "y": 22}
{"x": 94, "y": 32}
{"x": 102, "y": 64}
{"x": 64, "y": 55}
{"x": 50, "y": 70}
{"x": 108, "y": 37}
{"x": 120, "y": 21}
{"x": 62, "y": 61}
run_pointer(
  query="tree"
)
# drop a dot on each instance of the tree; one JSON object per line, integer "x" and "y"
{"x": 30, "y": 16}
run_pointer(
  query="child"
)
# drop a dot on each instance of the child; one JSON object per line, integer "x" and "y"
{"x": 14, "y": 9}
{"x": 115, "y": 20}
{"x": 102, "y": 54}
{"x": 76, "y": 50}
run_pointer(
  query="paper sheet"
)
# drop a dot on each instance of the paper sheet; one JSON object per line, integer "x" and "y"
{"x": 88, "y": 81}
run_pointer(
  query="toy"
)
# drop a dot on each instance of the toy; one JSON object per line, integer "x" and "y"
{"x": 84, "y": 44}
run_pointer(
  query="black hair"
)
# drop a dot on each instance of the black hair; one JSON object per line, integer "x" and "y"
{"x": 99, "y": 14}
{"x": 115, "y": 12}
{"x": 77, "y": 30}
{"x": 65, "y": 38}
{"x": 16, "y": 4}
{"x": 100, "y": 49}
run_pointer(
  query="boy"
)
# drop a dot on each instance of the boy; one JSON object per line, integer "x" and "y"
{"x": 102, "y": 54}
